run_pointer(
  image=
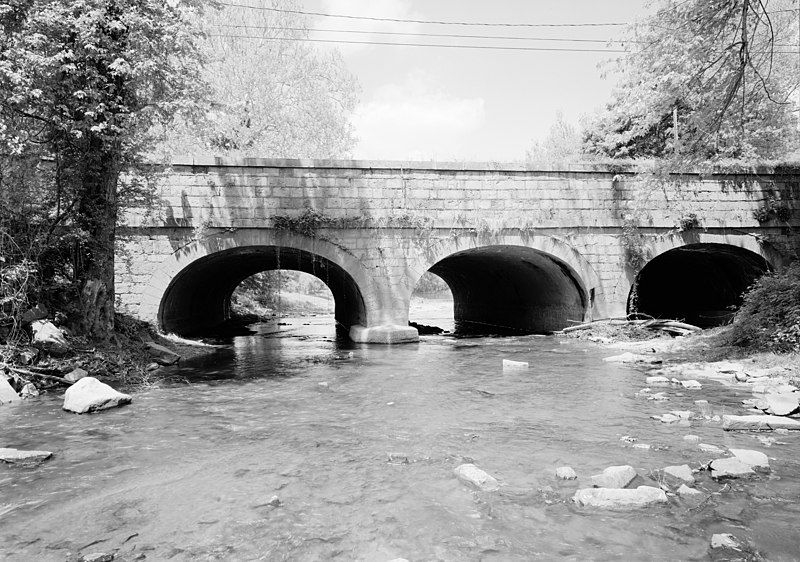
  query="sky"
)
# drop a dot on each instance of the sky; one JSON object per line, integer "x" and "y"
{"x": 424, "y": 103}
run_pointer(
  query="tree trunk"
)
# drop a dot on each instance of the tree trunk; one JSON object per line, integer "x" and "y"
{"x": 98, "y": 217}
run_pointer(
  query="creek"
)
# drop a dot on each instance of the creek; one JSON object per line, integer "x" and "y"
{"x": 188, "y": 471}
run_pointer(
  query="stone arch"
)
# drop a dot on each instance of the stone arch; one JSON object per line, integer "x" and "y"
{"x": 515, "y": 284}
{"x": 700, "y": 282}
{"x": 192, "y": 288}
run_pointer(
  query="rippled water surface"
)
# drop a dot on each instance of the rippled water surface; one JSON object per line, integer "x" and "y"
{"x": 188, "y": 470}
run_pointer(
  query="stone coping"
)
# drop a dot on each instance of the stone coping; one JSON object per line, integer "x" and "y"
{"x": 411, "y": 165}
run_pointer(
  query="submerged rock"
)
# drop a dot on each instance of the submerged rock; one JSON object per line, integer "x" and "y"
{"x": 509, "y": 365}
{"x": 712, "y": 449}
{"x": 471, "y": 474}
{"x": 566, "y": 473}
{"x": 691, "y": 438}
{"x": 686, "y": 492}
{"x": 657, "y": 381}
{"x": 730, "y": 468}
{"x": 615, "y": 498}
{"x": 19, "y": 456}
{"x": 758, "y": 422}
{"x": 756, "y": 459}
{"x": 614, "y": 477}
{"x": 90, "y": 395}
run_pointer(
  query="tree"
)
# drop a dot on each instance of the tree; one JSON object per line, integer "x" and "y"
{"x": 82, "y": 84}
{"x": 562, "y": 144}
{"x": 715, "y": 75}
{"x": 272, "y": 93}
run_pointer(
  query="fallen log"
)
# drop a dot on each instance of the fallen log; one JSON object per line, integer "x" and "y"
{"x": 27, "y": 373}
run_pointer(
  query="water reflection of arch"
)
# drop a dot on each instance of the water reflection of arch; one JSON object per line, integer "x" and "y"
{"x": 515, "y": 284}
{"x": 191, "y": 290}
{"x": 701, "y": 282}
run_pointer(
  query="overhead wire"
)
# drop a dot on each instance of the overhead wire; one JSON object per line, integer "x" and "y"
{"x": 433, "y": 22}
{"x": 441, "y": 45}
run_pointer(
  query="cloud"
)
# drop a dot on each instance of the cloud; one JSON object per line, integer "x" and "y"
{"x": 416, "y": 120}
{"x": 397, "y": 9}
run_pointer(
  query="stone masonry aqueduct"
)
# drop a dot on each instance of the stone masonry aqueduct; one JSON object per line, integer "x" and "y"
{"x": 523, "y": 250}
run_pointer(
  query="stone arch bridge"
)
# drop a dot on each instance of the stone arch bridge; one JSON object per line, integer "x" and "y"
{"x": 523, "y": 250}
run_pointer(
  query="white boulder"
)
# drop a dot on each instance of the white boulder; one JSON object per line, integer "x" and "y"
{"x": 49, "y": 338}
{"x": 614, "y": 477}
{"x": 725, "y": 540}
{"x": 686, "y": 492}
{"x": 17, "y": 455}
{"x": 566, "y": 473}
{"x": 681, "y": 473}
{"x": 730, "y": 468}
{"x": 756, "y": 459}
{"x": 471, "y": 474}
{"x": 91, "y": 395}
{"x": 691, "y": 384}
{"x": 712, "y": 449}
{"x": 758, "y": 422}
{"x": 781, "y": 404}
{"x": 615, "y": 498}
{"x": 657, "y": 381}
{"x": 7, "y": 392}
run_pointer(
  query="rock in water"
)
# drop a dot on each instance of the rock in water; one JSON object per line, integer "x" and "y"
{"x": 29, "y": 391}
{"x": 161, "y": 354}
{"x": 614, "y": 498}
{"x": 509, "y": 365}
{"x": 48, "y": 338}
{"x": 7, "y": 393}
{"x": 16, "y": 455}
{"x": 471, "y": 474}
{"x": 782, "y": 404}
{"x": 752, "y": 458}
{"x": 759, "y": 423}
{"x": 566, "y": 473}
{"x": 614, "y": 477}
{"x": 91, "y": 395}
{"x": 730, "y": 468}
{"x": 725, "y": 540}
{"x": 686, "y": 492}
{"x": 680, "y": 473}
{"x": 711, "y": 449}
{"x": 657, "y": 381}
{"x": 691, "y": 384}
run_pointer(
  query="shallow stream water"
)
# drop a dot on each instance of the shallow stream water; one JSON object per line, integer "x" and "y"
{"x": 188, "y": 470}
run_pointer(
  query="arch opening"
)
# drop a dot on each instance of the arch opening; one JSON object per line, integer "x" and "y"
{"x": 701, "y": 284}
{"x": 511, "y": 290}
{"x": 198, "y": 299}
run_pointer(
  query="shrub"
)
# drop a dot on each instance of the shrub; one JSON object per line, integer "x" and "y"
{"x": 770, "y": 314}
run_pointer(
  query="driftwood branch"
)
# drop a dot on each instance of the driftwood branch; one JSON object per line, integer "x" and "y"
{"x": 27, "y": 373}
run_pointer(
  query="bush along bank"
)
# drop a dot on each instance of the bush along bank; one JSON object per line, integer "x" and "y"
{"x": 45, "y": 357}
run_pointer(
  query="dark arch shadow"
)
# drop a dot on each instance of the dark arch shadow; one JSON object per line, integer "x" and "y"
{"x": 198, "y": 298}
{"x": 701, "y": 284}
{"x": 509, "y": 290}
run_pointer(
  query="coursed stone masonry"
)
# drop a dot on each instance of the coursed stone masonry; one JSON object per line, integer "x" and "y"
{"x": 376, "y": 227}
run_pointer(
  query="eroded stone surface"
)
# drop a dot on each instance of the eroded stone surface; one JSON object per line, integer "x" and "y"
{"x": 20, "y": 456}
{"x": 682, "y": 473}
{"x": 758, "y": 422}
{"x": 730, "y": 468}
{"x": 756, "y": 459}
{"x": 615, "y": 498}
{"x": 471, "y": 474}
{"x": 566, "y": 473}
{"x": 614, "y": 477}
